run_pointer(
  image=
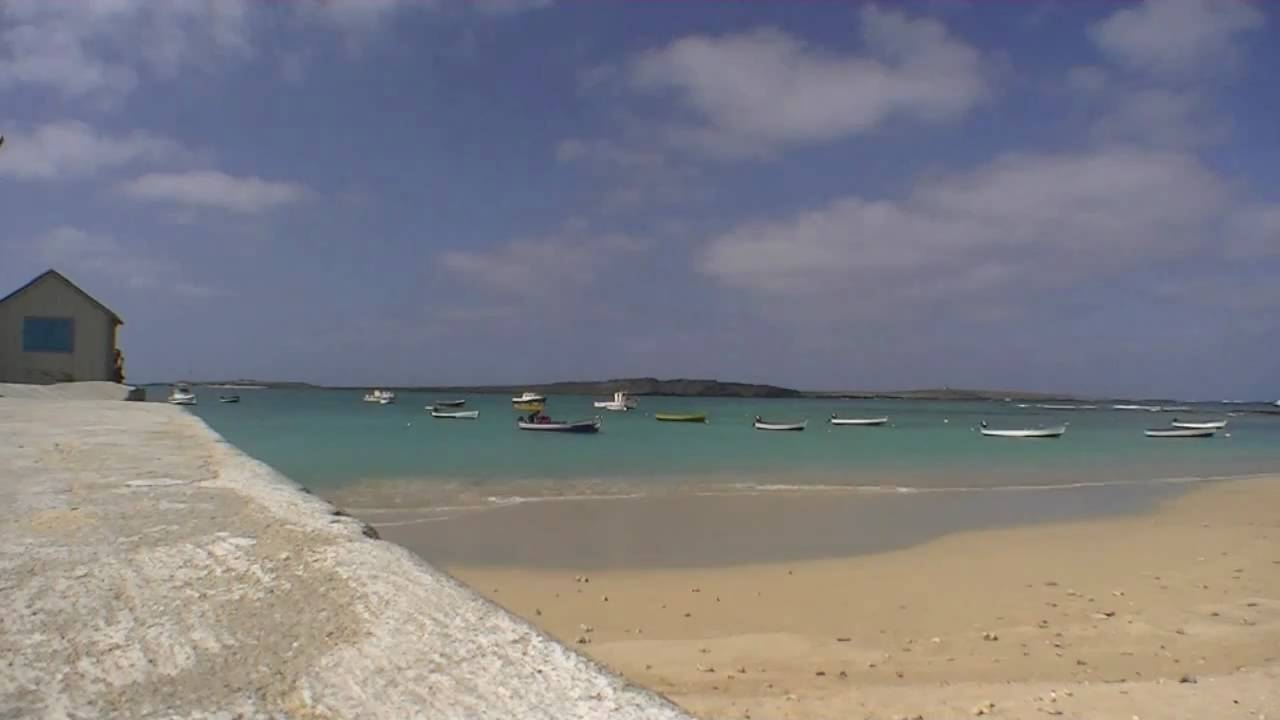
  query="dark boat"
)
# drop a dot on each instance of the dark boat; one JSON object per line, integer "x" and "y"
{"x": 449, "y": 403}
{"x": 228, "y": 398}
{"x": 546, "y": 424}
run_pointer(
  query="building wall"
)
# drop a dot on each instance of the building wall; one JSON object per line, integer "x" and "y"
{"x": 94, "y": 337}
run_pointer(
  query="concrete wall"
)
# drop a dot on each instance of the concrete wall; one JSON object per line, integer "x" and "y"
{"x": 93, "y": 358}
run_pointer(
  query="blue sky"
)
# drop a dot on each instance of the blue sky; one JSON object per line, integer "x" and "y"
{"x": 1078, "y": 197}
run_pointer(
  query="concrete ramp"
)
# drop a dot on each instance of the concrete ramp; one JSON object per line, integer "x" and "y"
{"x": 149, "y": 569}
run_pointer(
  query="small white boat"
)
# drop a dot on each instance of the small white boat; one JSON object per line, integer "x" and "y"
{"x": 181, "y": 395}
{"x": 228, "y": 398}
{"x": 450, "y": 403}
{"x": 528, "y": 397}
{"x": 1178, "y": 433}
{"x": 1049, "y": 432}
{"x": 382, "y": 397}
{"x": 456, "y": 415}
{"x": 620, "y": 403}
{"x": 836, "y": 420}
{"x": 1148, "y": 408}
{"x": 1191, "y": 425}
{"x": 761, "y": 424}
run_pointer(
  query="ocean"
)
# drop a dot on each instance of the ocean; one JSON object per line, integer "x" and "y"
{"x": 328, "y": 438}
{"x": 467, "y": 492}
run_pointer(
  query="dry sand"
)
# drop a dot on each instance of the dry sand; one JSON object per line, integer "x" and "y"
{"x": 1170, "y": 614}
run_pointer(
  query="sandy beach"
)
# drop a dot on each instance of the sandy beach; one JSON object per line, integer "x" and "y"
{"x": 1170, "y": 613}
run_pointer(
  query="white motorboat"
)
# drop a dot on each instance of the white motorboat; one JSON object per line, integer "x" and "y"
{"x": 1049, "y": 432}
{"x": 181, "y": 395}
{"x": 761, "y": 424}
{"x": 455, "y": 415}
{"x": 528, "y": 398}
{"x": 228, "y": 399}
{"x": 1205, "y": 425}
{"x": 836, "y": 420}
{"x": 1178, "y": 433}
{"x": 382, "y": 397}
{"x": 621, "y": 402}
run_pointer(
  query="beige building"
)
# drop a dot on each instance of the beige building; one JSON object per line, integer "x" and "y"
{"x": 52, "y": 331}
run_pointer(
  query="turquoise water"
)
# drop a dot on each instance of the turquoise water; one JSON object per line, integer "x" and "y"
{"x": 328, "y": 439}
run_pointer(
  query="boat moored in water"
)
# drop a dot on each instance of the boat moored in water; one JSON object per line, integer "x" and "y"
{"x": 528, "y": 398}
{"x": 449, "y": 403}
{"x": 1179, "y": 433}
{"x": 762, "y": 424}
{"x": 540, "y": 422}
{"x": 620, "y": 403}
{"x": 382, "y": 397}
{"x": 837, "y": 420}
{"x": 681, "y": 417}
{"x": 181, "y": 395}
{"x": 455, "y": 415}
{"x": 1049, "y": 432}
{"x": 228, "y": 398}
{"x": 1193, "y": 425}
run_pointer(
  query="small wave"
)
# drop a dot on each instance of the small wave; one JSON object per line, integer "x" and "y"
{"x": 501, "y": 500}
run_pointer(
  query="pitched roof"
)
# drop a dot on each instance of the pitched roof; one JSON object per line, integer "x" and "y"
{"x": 59, "y": 276}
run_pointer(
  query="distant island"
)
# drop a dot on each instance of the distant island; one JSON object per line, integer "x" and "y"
{"x": 678, "y": 387}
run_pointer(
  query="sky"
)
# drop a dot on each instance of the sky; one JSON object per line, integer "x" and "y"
{"x": 1075, "y": 197}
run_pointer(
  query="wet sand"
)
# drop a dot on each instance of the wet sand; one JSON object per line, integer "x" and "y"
{"x": 1169, "y": 613}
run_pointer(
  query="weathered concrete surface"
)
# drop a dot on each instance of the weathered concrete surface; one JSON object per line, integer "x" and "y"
{"x": 89, "y": 390}
{"x": 148, "y": 569}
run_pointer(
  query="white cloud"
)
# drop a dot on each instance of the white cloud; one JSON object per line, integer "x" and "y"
{"x": 81, "y": 49}
{"x": 101, "y": 257}
{"x": 357, "y": 15}
{"x": 1038, "y": 219}
{"x": 539, "y": 265}
{"x": 1160, "y": 117}
{"x": 212, "y": 189}
{"x": 1176, "y": 36}
{"x": 754, "y": 91}
{"x": 68, "y": 149}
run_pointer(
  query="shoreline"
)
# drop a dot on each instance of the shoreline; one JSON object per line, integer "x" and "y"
{"x": 733, "y": 525}
{"x": 1169, "y": 613}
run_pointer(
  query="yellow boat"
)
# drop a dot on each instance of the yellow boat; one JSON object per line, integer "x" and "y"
{"x": 676, "y": 417}
{"x": 528, "y": 406}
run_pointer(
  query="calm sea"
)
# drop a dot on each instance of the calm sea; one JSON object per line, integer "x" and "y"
{"x": 329, "y": 439}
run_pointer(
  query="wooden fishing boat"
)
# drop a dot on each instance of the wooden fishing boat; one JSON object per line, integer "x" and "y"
{"x": 761, "y": 424}
{"x": 544, "y": 424}
{"x": 1178, "y": 433}
{"x": 837, "y": 420}
{"x": 1049, "y": 432}
{"x": 449, "y": 403}
{"x": 455, "y": 415}
{"x": 678, "y": 417}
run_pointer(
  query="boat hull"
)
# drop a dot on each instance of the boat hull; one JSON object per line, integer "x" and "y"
{"x": 461, "y": 415}
{"x": 782, "y": 427}
{"x": 528, "y": 406}
{"x": 580, "y": 426}
{"x": 1053, "y": 432}
{"x": 450, "y": 403}
{"x": 182, "y": 401}
{"x": 1214, "y": 425}
{"x": 1178, "y": 433}
{"x": 859, "y": 421}
{"x": 669, "y": 417}
{"x": 232, "y": 399}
